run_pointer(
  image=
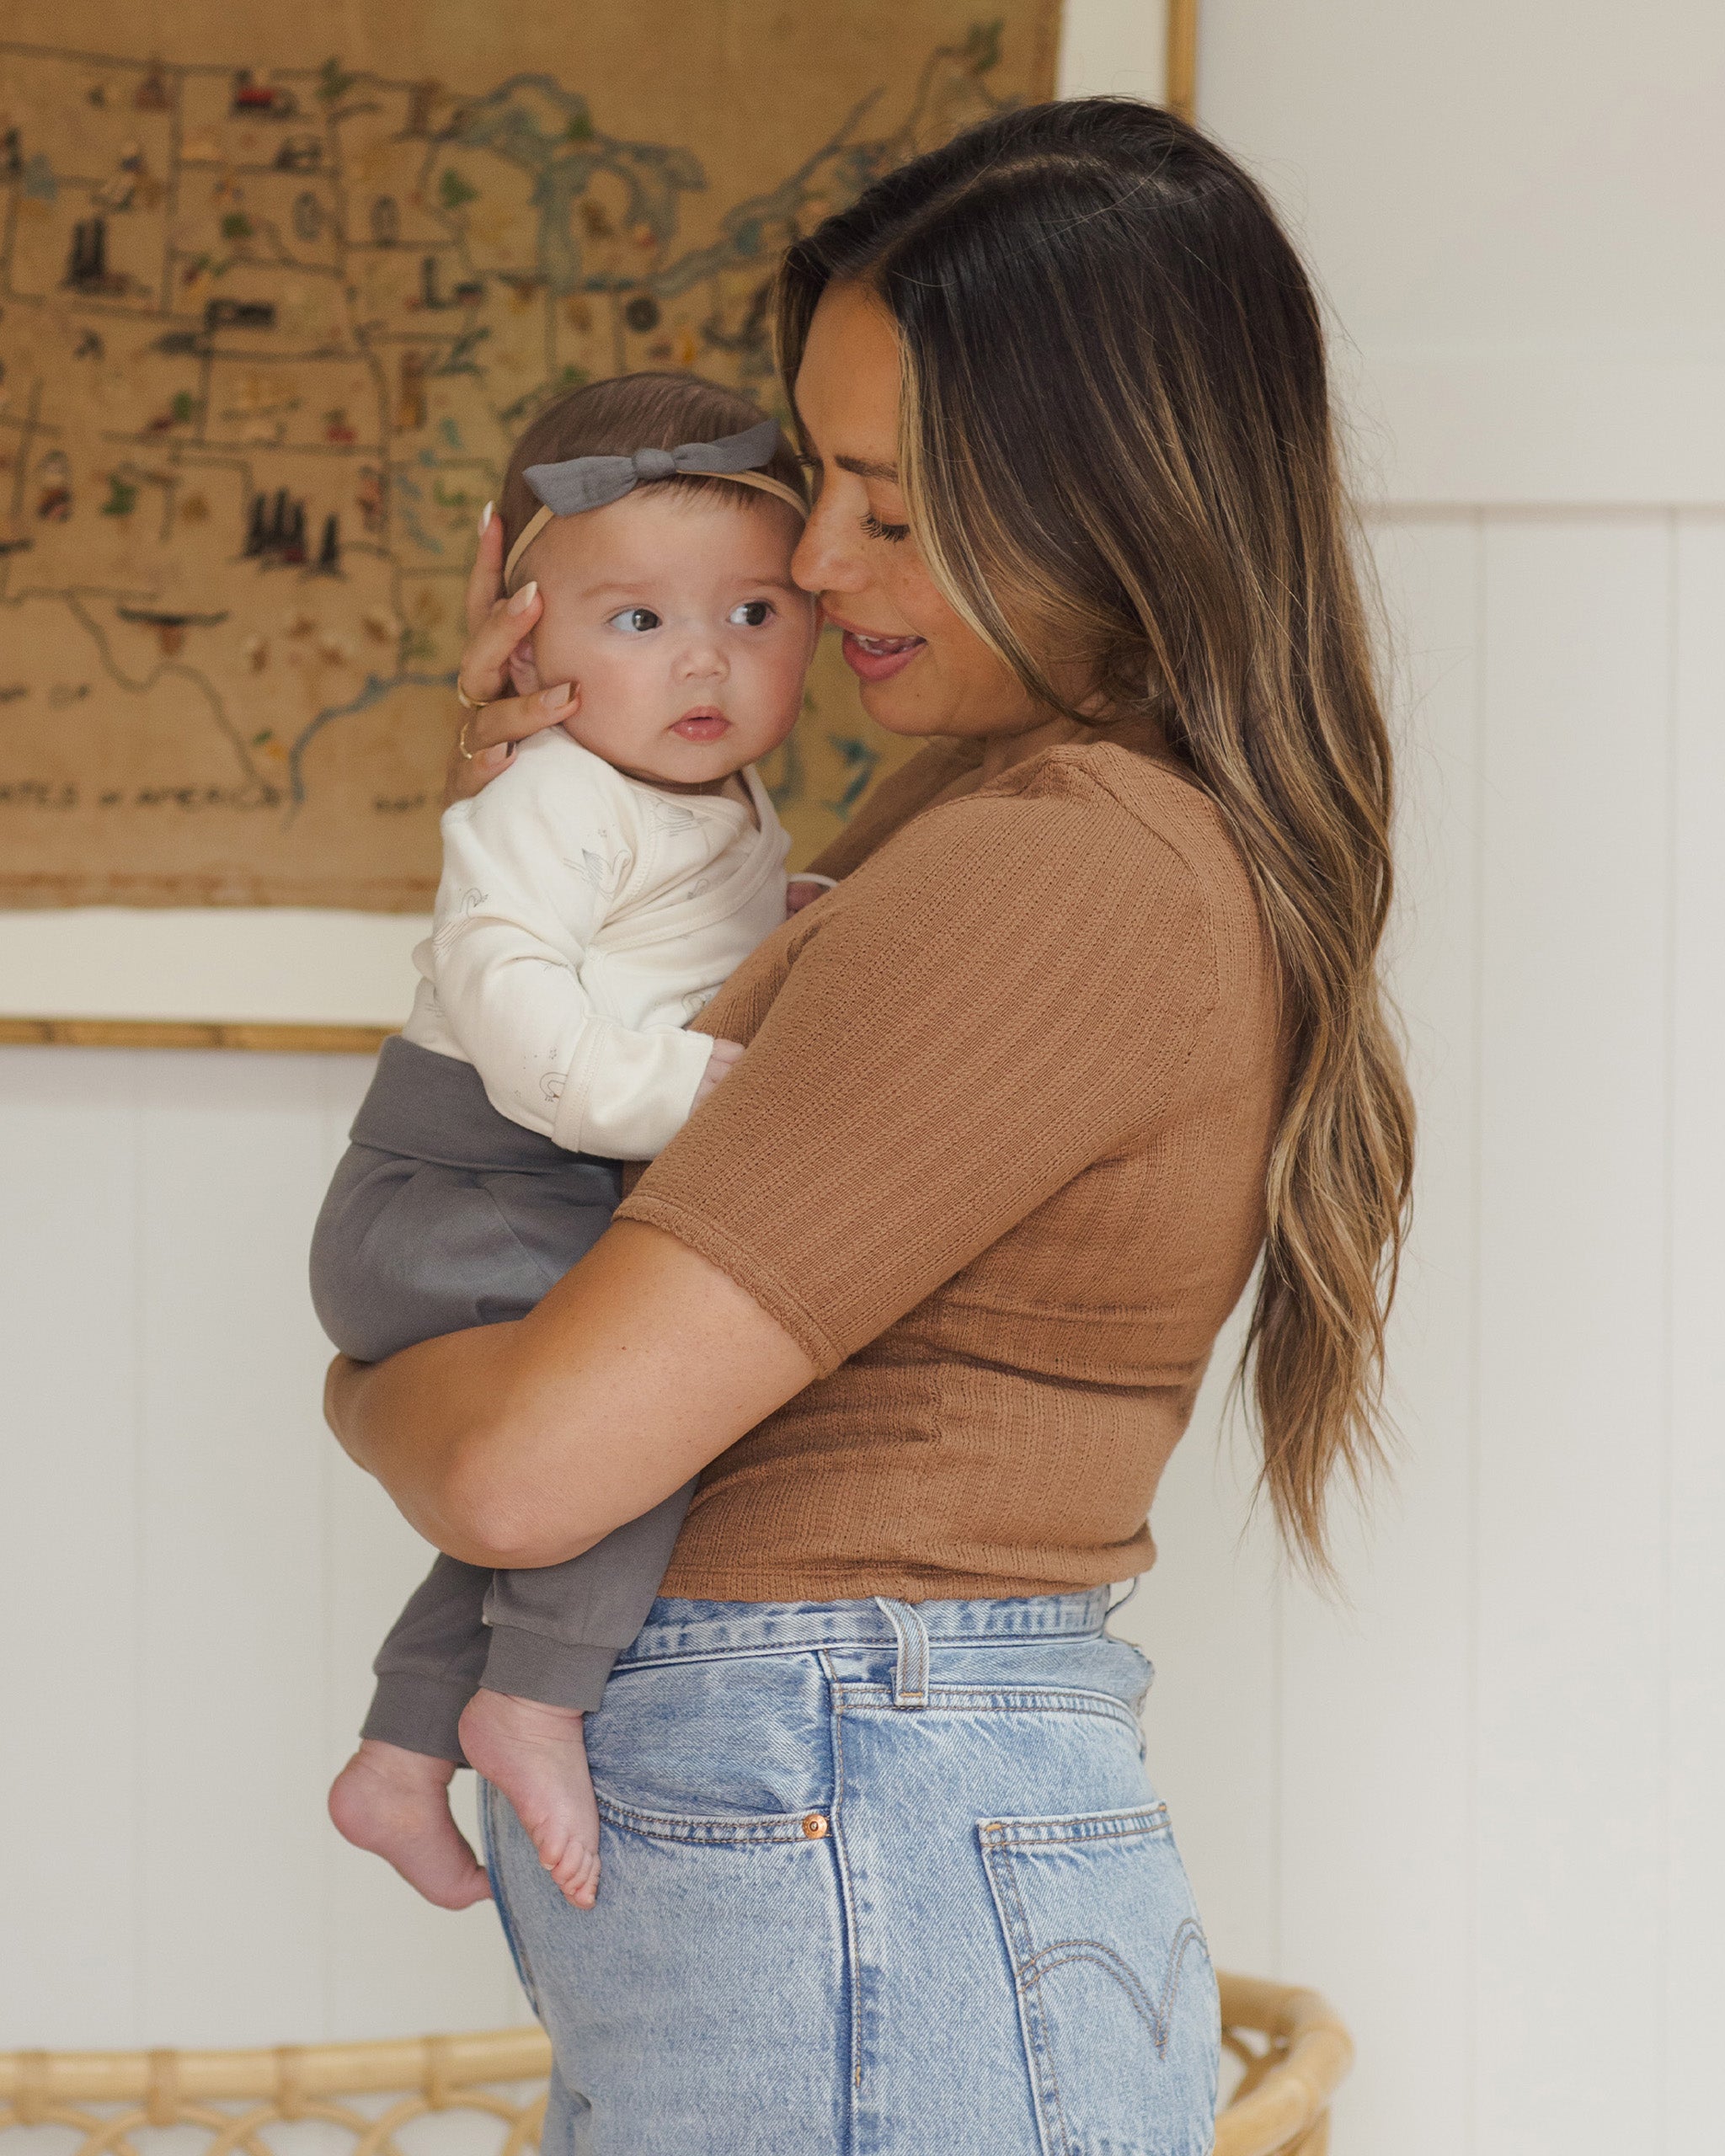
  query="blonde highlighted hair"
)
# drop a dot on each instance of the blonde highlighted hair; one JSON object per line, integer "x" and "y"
{"x": 1117, "y": 449}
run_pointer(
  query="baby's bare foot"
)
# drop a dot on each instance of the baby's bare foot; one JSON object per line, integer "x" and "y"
{"x": 395, "y": 1803}
{"x": 537, "y": 1756}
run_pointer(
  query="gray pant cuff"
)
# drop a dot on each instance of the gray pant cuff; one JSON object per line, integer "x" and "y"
{"x": 421, "y": 1714}
{"x": 532, "y": 1667}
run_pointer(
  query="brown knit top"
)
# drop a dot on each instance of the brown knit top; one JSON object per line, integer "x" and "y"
{"x": 995, "y": 1158}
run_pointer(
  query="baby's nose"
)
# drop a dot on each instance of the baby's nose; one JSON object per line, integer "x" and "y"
{"x": 703, "y": 655}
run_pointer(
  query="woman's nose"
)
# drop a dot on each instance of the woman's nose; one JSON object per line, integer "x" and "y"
{"x": 827, "y": 558}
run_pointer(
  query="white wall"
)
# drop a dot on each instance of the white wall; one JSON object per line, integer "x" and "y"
{"x": 1475, "y": 1806}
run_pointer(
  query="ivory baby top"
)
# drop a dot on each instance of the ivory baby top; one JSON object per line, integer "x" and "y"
{"x": 583, "y": 918}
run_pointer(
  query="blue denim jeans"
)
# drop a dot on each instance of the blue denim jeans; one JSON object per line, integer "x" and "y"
{"x": 876, "y": 1879}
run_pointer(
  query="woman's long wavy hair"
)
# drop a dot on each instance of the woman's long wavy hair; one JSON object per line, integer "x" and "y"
{"x": 1117, "y": 450}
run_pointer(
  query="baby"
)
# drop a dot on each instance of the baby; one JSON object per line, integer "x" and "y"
{"x": 593, "y": 898}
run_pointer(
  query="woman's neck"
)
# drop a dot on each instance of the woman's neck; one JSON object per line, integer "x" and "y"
{"x": 1000, "y": 751}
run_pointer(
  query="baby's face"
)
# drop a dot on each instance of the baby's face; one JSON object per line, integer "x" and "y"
{"x": 676, "y": 618}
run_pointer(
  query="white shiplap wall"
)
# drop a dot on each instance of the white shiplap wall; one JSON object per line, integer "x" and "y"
{"x": 1475, "y": 1804}
{"x": 192, "y": 1575}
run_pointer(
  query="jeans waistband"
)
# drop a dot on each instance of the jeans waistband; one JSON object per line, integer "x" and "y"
{"x": 678, "y": 1630}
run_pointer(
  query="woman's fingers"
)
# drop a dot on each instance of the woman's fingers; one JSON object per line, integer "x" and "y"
{"x": 495, "y": 627}
{"x": 485, "y": 579}
{"x": 483, "y": 673}
{"x": 486, "y": 740}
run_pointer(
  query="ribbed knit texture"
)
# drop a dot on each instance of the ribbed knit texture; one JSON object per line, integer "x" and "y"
{"x": 995, "y": 1158}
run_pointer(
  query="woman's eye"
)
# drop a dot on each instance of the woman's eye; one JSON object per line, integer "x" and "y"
{"x": 876, "y": 529}
{"x": 635, "y": 621}
{"x": 752, "y": 614}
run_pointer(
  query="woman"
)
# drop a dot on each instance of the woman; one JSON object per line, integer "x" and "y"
{"x": 1090, "y": 1025}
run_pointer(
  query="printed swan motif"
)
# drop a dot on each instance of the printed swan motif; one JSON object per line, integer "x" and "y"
{"x": 472, "y": 900}
{"x": 604, "y": 870}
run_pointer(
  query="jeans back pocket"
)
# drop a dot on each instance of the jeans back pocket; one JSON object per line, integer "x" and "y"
{"x": 1117, "y": 1999}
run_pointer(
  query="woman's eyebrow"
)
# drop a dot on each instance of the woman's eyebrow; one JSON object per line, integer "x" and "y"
{"x": 865, "y": 467}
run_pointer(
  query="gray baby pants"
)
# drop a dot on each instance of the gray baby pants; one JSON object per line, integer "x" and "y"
{"x": 443, "y": 1214}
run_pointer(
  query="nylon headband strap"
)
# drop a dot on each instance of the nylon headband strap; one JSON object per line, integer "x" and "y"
{"x": 541, "y": 517}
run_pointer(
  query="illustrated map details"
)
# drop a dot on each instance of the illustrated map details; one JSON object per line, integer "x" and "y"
{"x": 265, "y": 339}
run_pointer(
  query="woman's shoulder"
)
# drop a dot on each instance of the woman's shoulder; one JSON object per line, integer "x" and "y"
{"x": 1080, "y": 803}
{"x": 1126, "y": 783}
{"x": 1117, "y": 852}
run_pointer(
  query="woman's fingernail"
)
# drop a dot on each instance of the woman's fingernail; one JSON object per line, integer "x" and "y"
{"x": 524, "y": 598}
{"x": 485, "y": 517}
{"x": 556, "y": 698}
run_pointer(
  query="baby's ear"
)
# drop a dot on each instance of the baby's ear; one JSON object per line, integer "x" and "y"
{"x": 523, "y": 673}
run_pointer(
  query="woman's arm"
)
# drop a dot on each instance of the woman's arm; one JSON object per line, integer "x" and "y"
{"x": 525, "y": 1443}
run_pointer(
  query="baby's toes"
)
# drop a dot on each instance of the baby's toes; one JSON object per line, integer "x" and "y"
{"x": 577, "y": 1877}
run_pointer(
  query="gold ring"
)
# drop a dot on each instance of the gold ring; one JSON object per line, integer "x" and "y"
{"x": 466, "y": 701}
{"x": 467, "y": 754}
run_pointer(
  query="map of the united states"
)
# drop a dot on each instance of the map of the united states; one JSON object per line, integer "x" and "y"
{"x": 266, "y": 339}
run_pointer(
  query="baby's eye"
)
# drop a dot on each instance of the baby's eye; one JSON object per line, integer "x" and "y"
{"x": 635, "y": 621}
{"x": 752, "y": 614}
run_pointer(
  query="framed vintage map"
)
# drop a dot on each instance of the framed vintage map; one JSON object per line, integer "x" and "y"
{"x": 278, "y": 287}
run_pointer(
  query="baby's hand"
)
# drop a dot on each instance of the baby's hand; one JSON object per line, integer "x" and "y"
{"x": 802, "y": 891}
{"x": 725, "y": 1057}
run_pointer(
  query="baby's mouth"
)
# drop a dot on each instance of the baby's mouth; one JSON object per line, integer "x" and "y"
{"x": 703, "y": 723}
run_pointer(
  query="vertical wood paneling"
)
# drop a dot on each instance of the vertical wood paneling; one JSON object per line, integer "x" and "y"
{"x": 69, "y": 1914}
{"x": 1572, "y": 1287}
{"x": 1377, "y": 1778}
{"x": 1695, "y": 1888}
{"x": 232, "y": 1161}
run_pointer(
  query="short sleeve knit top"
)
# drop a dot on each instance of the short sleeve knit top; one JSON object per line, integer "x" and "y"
{"x": 996, "y": 1159}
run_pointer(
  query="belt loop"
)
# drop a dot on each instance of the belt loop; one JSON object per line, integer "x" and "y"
{"x": 910, "y": 1670}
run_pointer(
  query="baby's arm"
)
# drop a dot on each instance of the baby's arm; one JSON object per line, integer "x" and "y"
{"x": 531, "y": 867}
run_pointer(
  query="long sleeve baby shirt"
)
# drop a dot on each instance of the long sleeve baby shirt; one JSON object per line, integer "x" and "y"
{"x": 582, "y": 920}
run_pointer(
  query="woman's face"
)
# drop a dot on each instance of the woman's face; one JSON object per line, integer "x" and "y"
{"x": 922, "y": 669}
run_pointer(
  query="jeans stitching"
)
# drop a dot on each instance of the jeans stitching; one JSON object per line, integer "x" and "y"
{"x": 1030, "y": 1967}
{"x": 998, "y": 1641}
{"x": 979, "y": 1699}
{"x": 1111, "y": 1827}
{"x": 1044, "y": 2074}
{"x": 673, "y": 1827}
{"x": 853, "y": 1953}
{"x": 1157, "y": 2017}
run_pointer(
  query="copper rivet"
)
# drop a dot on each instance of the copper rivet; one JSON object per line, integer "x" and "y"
{"x": 814, "y": 1826}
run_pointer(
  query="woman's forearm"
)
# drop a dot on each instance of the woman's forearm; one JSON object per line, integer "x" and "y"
{"x": 524, "y": 1443}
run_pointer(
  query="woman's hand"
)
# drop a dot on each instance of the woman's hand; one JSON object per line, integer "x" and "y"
{"x": 496, "y": 627}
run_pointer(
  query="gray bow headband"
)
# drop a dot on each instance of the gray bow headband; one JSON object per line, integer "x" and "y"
{"x": 585, "y": 483}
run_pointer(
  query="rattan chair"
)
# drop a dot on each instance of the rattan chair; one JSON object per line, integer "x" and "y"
{"x": 1293, "y": 2049}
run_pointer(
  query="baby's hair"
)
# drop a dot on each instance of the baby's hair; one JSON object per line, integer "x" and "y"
{"x": 628, "y": 412}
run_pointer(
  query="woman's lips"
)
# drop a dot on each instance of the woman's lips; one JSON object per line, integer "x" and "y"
{"x": 702, "y": 725}
{"x": 878, "y": 659}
